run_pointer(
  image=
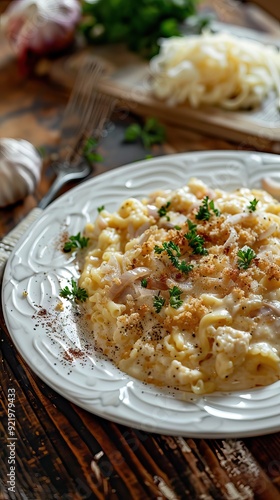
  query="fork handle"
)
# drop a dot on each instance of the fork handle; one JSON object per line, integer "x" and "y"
{"x": 61, "y": 179}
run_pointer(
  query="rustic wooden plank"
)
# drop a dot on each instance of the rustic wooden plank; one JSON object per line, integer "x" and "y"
{"x": 34, "y": 450}
{"x": 49, "y": 444}
{"x": 82, "y": 445}
{"x": 112, "y": 445}
{"x": 243, "y": 469}
{"x": 266, "y": 450}
{"x": 189, "y": 465}
{"x": 146, "y": 465}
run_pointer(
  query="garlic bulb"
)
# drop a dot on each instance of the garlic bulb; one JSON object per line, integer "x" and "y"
{"x": 20, "y": 170}
{"x": 40, "y": 27}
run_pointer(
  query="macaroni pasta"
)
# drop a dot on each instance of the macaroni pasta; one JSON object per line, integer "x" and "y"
{"x": 183, "y": 288}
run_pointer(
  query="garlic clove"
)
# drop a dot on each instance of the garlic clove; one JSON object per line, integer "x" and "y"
{"x": 20, "y": 170}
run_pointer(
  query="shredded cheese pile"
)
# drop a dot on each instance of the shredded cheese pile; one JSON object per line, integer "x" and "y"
{"x": 215, "y": 69}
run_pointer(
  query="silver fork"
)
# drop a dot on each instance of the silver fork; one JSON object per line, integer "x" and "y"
{"x": 90, "y": 109}
{"x": 85, "y": 116}
{"x": 74, "y": 167}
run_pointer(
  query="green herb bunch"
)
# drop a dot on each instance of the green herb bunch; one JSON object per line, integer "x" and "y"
{"x": 137, "y": 24}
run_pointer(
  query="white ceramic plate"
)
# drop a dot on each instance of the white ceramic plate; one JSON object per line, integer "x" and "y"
{"x": 56, "y": 345}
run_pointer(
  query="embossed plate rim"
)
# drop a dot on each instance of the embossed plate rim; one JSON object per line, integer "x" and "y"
{"x": 119, "y": 397}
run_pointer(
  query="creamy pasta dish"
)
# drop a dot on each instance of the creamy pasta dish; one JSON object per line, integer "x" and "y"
{"x": 183, "y": 287}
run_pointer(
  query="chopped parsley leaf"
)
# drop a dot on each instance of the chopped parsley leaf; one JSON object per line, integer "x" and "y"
{"x": 252, "y": 207}
{"x": 195, "y": 241}
{"x": 205, "y": 209}
{"x": 184, "y": 267}
{"x": 175, "y": 297}
{"x": 173, "y": 252}
{"x": 159, "y": 302}
{"x": 100, "y": 209}
{"x": 246, "y": 255}
{"x": 144, "y": 282}
{"x": 162, "y": 211}
{"x": 76, "y": 241}
{"x": 76, "y": 293}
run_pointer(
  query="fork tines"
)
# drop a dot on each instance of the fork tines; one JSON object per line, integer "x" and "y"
{"x": 102, "y": 109}
{"x": 87, "y": 109}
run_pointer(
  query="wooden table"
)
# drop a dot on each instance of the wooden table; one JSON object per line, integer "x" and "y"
{"x": 62, "y": 451}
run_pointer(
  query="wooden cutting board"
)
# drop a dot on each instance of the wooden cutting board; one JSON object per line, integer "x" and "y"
{"x": 128, "y": 80}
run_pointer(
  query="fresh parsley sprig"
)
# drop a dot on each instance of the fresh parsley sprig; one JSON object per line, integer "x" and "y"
{"x": 162, "y": 211}
{"x": 175, "y": 300}
{"x": 206, "y": 209}
{"x": 144, "y": 282}
{"x": 152, "y": 132}
{"x": 76, "y": 241}
{"x": 175, "y": 297}
{"x": 173, "y": 252}
{"x": 195, "y": 241}
{"x": 159, "y": 302}
{"x": 252, "y": 207}
{"x": 184, "y": 267}
{"x": 76, "y": 293}
{"x": 246, "y": 255}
